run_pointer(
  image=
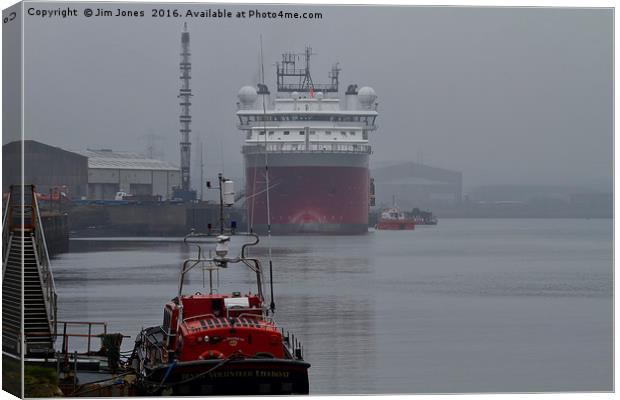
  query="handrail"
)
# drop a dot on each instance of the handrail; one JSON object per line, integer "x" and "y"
{"x": 5, "y": 219}
{"x": 6, "y": 232}
{"x": 243, "y": 315}
{"x": 89, "y": 335}
{"x": 26, "y": 208}
{"x": 104, "y": 324}
{"x": 327, "y": 87}
{"x": 198, "y": 316}
{"x": 6, "y": 249}
{"x": 44, "y": 265}
{"x": 264, "y": 318}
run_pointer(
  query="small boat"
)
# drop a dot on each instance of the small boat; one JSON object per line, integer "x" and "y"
{"x": 423, "y": 217}
{"x": 425, "y": 220}
{"x": 219, "y": 344}
{"x": 394, "y": 219}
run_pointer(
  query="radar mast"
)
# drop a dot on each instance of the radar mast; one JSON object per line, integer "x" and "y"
{"x": 291, "y": 78}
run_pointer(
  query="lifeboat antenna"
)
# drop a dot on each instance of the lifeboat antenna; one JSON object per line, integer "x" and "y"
{"x": 272, "y": 305}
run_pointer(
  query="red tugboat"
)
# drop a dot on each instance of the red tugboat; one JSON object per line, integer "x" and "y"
{"x": 394, "y": 219}
{"x": 219, "y": 344}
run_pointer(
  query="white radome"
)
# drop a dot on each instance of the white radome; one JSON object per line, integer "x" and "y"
{"x": 366, "y": 96}
{"x": 295, "y": 95}
{"x": 247, "y": 95}
{"x": 319, "y": 95}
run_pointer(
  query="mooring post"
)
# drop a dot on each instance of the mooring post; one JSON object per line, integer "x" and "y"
{"x": 75, "y": 371}
{"x": 65, "y": 344}
{"x": 89, "y": 332}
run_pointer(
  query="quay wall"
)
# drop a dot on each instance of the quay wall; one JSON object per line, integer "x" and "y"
{"x": 149, "y": 219}
{"x": 56, "y": 230}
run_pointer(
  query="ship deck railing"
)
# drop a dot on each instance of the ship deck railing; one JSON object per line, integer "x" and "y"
{"x": 294, "y": 87}
{"x": 311, "y": 148}
{"x": 263, "y": 320}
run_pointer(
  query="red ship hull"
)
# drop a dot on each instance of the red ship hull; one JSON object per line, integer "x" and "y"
{"x": 396, "y": 225}
{"x": 309, "y": 199}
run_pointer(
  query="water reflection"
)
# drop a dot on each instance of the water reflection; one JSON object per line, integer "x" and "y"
{"x": 494, "y": 305}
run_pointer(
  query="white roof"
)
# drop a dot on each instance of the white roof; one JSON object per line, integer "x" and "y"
{"x": 108, "y": 159}
{"x": 236, "y": 302}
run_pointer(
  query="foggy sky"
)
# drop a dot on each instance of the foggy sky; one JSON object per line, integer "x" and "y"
{"x": 507, "y": 96}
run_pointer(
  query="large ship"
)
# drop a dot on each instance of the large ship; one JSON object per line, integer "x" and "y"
{"x": 310, "y": 151}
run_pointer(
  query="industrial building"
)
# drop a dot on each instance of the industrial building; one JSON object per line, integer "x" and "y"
{"x": 417, "y": 185}
{"x": 110, "y": 172}
{"x": 47, "y": 167}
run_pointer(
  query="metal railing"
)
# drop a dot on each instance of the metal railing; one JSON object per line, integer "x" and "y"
{"x": 6, "y": 234}
{"x": 317, "y": 87}
{"x": 89, "y": 336}
{"x": 320, "y": 147}
{"x": 193, "y": 317}
{"x": 44, "y": 266}
{"x": 292, "y": 345}
{"x": 263, "y": 321}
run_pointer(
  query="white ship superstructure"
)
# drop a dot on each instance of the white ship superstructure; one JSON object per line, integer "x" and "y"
{"x": 317, "y": 151}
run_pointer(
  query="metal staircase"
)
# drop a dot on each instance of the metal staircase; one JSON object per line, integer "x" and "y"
{"x": 11, "y": 296}
{"x": 26, "y": 266}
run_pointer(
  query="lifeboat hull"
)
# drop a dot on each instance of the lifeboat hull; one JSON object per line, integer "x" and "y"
{"x": 236, "y": 377}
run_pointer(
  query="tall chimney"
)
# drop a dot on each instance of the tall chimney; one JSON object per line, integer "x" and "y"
{"x": 185, "y": 94}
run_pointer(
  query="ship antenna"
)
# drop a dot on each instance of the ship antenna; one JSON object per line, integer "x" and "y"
{"x": 272, "y": 305}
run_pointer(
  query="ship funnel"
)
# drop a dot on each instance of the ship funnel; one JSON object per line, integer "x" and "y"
{"x": 263, "y": 89}
{"x": 263, "y": 94}
{"x": 351, "y": 102}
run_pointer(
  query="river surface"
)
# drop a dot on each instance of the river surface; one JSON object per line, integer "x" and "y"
{"x": 508, "y": 305}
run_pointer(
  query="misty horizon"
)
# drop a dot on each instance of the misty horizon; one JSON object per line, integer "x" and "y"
{"x": 517, "y": 96}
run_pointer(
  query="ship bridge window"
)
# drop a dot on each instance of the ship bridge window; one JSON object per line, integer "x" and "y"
{"x": 347, "y": 118}
{"x": 352, "y": 133}
{"x": 302, "y": 132}
{"x": 261, "y": 133}
{"x": 286, "y": 133}
{"x": 270, "y": 133}
{"x": 343, "y": 133}
{"x": 312, "y": 132}
{"x": 328, "y": 133}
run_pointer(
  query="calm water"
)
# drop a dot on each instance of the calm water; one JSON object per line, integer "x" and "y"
{"x": 465, "y": 306}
